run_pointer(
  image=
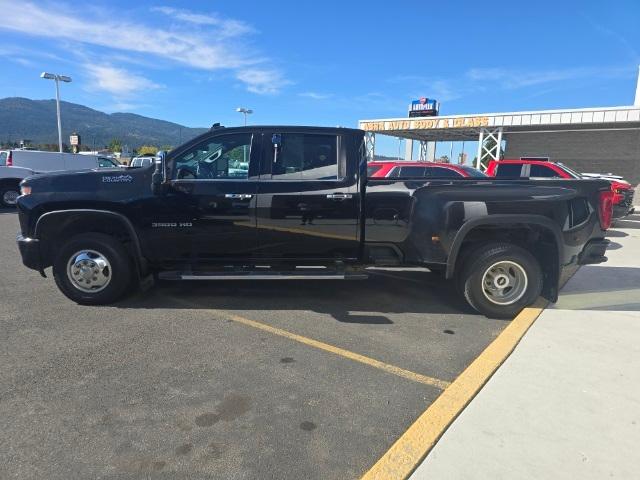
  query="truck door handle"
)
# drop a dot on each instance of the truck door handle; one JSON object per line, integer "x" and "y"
{"x": 238, "y": 196}
{"x": 339, "y": 196}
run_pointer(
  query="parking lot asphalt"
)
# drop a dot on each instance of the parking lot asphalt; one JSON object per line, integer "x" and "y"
{"x": 222, "y": 380}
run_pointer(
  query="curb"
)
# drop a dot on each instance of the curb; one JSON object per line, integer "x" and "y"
{"x": 406, "y": 454}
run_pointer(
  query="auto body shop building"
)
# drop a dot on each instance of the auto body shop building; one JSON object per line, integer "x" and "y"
{"x": 594, "y": 140}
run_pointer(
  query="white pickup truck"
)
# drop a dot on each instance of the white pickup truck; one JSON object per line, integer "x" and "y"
{"x": 16, "y": 165}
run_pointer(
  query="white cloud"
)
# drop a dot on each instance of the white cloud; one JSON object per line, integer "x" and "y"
{"x": 117, "y": 81}
{"x": 316, "y": 95}
{"x": 262, "y": 81}
{"x": 226, "y": 27}
{"x": 513, "y": 79}
{"x": 205, "y": 49}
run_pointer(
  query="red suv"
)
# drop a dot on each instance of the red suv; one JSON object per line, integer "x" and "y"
{"x": 420, "y": 169}
{"x": 622, "y": 190}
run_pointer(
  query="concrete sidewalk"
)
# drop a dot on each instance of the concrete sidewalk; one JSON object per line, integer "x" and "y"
{"x": 566, "y": 403}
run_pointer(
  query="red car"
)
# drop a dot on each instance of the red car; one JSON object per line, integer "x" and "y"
{"x": 421, "y": 169}
{"x": 622, "y": 190}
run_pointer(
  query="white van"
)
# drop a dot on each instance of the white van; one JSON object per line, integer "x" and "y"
{"x": 16, "y": 165}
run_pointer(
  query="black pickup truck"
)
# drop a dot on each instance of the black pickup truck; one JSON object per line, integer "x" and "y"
{"x": 295, "y": 203}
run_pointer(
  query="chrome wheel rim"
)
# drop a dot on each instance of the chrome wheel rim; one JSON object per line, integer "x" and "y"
{"x": 504, "y": 283}
{"x": 10, "y": 197}
{"x": 89, "y": 271}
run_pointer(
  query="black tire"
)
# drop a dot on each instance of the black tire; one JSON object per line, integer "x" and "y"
{"x": 120, "y": 270}
{"x": 9, "y": 191}
{"x": 518, "y": 260}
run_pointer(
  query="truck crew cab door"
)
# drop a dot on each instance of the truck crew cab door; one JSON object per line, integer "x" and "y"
{"x": 308, "y": 200}
{"x": 208, "y": 214}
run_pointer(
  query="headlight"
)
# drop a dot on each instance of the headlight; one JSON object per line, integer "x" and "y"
{"x": 25, "y": 190}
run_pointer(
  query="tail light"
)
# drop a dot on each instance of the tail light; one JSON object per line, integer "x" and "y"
{"x": 619, "y": 187}
{"x": 618, "y": 190}
{"x": 605, "y": 209}
{"x": 9, "y": 162}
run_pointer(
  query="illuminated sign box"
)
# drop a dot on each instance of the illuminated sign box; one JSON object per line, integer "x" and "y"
{"x": 424, "y": 107}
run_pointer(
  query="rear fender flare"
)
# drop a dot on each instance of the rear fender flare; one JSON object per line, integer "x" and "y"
{"x": 496, "y": 220}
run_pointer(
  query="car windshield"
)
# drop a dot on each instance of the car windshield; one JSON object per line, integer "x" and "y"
{"x": 372, "y": 169}
{"x": 104, "y": 162}
{"x": 473, "y": 172}
{"x": 571, "y": 172}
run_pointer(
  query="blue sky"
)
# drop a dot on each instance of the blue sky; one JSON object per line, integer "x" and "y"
{"x": 321, "y": 63}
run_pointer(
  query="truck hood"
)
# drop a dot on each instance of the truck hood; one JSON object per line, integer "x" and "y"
{"x": 108, "y": 183}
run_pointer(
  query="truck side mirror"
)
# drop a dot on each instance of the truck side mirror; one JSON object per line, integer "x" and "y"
{"x": 157, "y": 179}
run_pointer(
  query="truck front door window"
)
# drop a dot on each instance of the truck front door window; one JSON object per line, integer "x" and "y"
{"x": 222, "y": 157}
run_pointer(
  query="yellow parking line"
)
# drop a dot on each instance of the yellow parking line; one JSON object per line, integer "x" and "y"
{"x": 416, "y": 377}
{"x": 414, "y": 445}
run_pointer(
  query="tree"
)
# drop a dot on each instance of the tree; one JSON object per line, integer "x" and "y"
{"x": 147, "y": 149}
{"x": 115, "y": 145}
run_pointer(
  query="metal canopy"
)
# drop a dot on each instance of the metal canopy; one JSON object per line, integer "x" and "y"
{"x": 468, "y": 127}
{"x": 496, "y": 126}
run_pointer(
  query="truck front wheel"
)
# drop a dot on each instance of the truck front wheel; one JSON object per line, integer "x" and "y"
{"x": 92, "y": 269}
{"x": 500, "y": 279}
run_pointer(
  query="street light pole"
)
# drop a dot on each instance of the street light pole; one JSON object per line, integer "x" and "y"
{"x": 58, "y": 115}
{"x": 245, "y": 111}
{"x": 57, "y": 78}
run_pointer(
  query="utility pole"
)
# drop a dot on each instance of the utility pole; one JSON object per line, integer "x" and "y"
{"x": 637, "y": 99}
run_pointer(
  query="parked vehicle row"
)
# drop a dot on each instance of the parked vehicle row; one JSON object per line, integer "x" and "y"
{"x": 272, "y": 202}
{"x": 16, "y": 165}
{"x": 623, "y": 191}
{"x": 397, "y": 169}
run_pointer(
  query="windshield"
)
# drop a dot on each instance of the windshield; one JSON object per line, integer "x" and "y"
{"x": 571, "y": 172}
{"x": 373, "y": 169}
{"x": 473, "y": 172}
{"x": 104, "y": 162}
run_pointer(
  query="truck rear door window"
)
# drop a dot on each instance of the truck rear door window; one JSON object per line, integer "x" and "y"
{"x": 542, "y": 171}
{"x": 306, "y": 157}
{"x": 3, "y": 158}
{"x": 509, "y": 170}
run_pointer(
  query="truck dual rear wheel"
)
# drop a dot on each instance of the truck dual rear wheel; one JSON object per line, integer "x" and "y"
{"x": 92, "y": 269}
{"x": 500, "y": 279}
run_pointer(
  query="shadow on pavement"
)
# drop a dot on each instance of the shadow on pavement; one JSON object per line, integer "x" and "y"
{"x": 627, "y": 223}
{"x": 602, "y": 288}
{"x": 616, "y": 234}
{"x": 614, "y": 246}
{"x": 357, "y": 301}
